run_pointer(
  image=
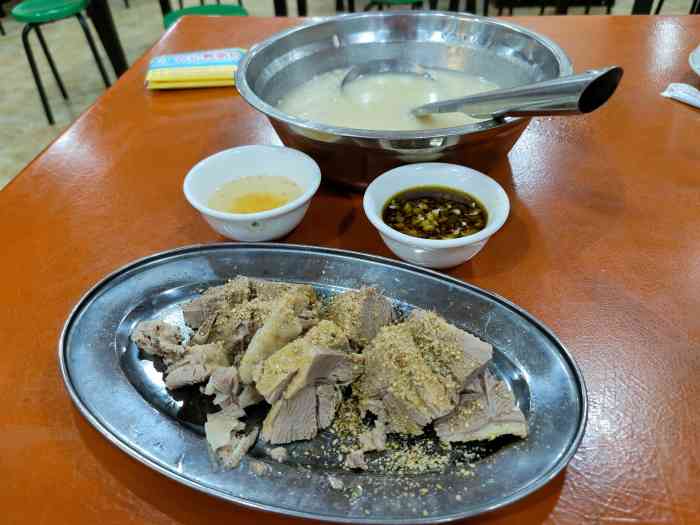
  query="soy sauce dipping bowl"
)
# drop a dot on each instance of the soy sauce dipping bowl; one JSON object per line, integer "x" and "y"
{"x": 428, "y": 252}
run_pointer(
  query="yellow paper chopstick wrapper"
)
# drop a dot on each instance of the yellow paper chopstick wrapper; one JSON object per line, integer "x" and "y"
{"x": 200, "y": 69}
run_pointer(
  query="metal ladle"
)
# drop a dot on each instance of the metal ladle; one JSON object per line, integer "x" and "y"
{"x": 569, "y": 95}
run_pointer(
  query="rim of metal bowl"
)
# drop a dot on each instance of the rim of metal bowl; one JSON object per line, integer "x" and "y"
{"x": 565, "y": 68}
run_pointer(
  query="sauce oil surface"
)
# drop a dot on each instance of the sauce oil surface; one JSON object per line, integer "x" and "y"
{"x": 435, "y": 212}
{"x": 254, "y": 194}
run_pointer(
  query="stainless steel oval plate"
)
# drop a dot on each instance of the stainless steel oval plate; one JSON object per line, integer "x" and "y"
{"x": 123, "y": 395}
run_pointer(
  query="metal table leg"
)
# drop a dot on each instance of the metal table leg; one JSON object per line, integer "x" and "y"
{"x": 280, "y": 7}
{"x": 101, "y": 16}
{"x": 165, "y": 6}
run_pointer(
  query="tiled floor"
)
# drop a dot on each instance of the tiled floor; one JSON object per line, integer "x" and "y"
{"x": 23, "y": 128}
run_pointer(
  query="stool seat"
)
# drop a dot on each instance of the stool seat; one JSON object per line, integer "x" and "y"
{"x": 43, "y": 11}
{"x": 207, "y": 10}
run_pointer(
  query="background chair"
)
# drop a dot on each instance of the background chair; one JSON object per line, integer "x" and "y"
{"x": 214, "y": 9}
{"x": 380, "y": 4}
{"x": 35, "y": 13}
{"x": 201, "y": 2}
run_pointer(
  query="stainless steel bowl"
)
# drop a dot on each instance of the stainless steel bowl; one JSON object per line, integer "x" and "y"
{"x": 501, "y": 52}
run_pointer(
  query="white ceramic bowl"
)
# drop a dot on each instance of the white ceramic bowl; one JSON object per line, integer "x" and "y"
{"x": 436, "y": 253}
{"x": 244, "y": 161}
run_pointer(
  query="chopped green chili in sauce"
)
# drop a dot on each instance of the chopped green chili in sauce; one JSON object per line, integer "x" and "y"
{"x": 435, "y": 212}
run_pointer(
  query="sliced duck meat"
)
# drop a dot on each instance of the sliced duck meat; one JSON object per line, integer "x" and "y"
{"x": 328, "y": 335}
{"x": 272, "y": 290}
{"x": 400, "y": 376}
{"x": 224, "y": 385}
{"x": 318, "y": 365}
{"x": 281, "y": 327}
{"x": 159, "y": 338}
{"x": 225, "y": 437}
{"x": 361, "y": 314}
{"x": 278, "y": 370}
{"x": 220, "y": 426}
{"x": 201, "y": 336}
{"x": 292, "y": 419}
{"x": 329, "y": 397}
{"x": 487, "y": 412}
{"x": 454, "y": 354}
{"x": 235, "y": 327}
{"x": 196, "y": 365}
{"x": 279, "y": 454}
{"x": 229, "y": 456}
{"x": 355, "y": 459}
{"x": 214, "y": 299}
{"x": 249, "y": 396}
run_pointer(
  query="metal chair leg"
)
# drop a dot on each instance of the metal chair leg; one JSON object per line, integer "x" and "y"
{"x": 658, "y": 7}
{"x": 2, "y": 29}
{"x": 35, "y": 72}
{"x": 182, "y": 6}
{"x": 91, "y": 43}
{"x": 588, "y": 8}
{"x": 126, "y": 4}
{"x": 49, "y": 59}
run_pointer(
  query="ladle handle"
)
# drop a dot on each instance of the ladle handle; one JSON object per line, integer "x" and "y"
{"x": 569, "y": 95}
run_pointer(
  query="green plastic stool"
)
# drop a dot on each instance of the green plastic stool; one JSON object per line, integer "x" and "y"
{"x": 35, "y": 13}
{"x": 206, "y": 10}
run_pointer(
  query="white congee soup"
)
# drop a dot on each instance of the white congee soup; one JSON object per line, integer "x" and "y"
{"x": 382, "y": 101}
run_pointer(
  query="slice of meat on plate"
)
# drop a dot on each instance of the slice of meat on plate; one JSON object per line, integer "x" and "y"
{"x": 399, "y": 376}
{"x": 487, "y": 412}
{"x": 224, "y": 385}
{"x": 196, "y": 365}
{"x": 355, "y": 459}
{"x": 292, "y": 419}
{"x": 158, "y": 338}
{"x": 226, "y": 438}
{"x": 360, "y": 314}
{"x": 329, "y": 397}
{"x": 234, "y": 327}
{"x": 272, "y": 290}
{"x": 277, "y": 372}
{"x": 214, "y": 299}
{"x": 281, "y": 327}
{"x": 447, "y": 348}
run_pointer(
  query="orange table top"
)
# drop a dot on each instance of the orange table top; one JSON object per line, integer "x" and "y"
{"x": 602, "y": 244}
